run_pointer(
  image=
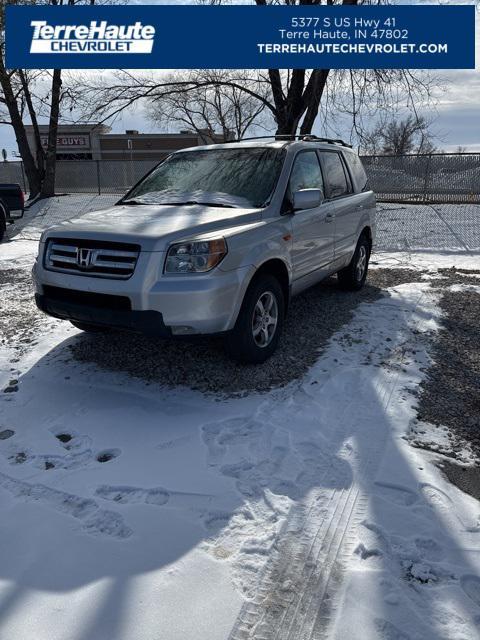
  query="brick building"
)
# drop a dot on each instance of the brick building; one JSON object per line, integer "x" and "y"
{"x": 92, "y": 141}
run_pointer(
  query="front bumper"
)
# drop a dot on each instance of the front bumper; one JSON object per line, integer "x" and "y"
{"x": 158, "y": 304}
{"x": 148, "y": 322}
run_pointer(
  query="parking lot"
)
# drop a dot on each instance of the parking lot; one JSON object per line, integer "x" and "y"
{"x": 157, "y": 490}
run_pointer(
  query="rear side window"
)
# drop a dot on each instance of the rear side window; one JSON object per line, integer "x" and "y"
{"x": 306, "y": 173}
{"x": 335, "y": 177}
{"x": 357, "y": 170}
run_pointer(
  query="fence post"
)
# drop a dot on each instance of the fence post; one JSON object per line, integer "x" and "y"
{"x": 23, "y": 177}
{"x": 98, "y": 177}
{"x": 427, "y": 174}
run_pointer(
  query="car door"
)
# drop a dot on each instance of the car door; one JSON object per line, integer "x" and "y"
{"x": 339, "y": 189}
{"x": 313, "y": 233}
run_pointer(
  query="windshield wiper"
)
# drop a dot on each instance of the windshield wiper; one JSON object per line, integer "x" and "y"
{"x": 209, "y": 204}
{"x": 132, "y": 202}
{"x": 173, "y": 204}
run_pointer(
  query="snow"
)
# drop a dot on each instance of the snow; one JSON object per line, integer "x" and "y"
{"x": 303, "y": 512}
{"x": 429, "y": 262}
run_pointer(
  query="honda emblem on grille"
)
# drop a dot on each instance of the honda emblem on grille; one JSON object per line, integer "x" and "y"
{"x": 84, "y": 258}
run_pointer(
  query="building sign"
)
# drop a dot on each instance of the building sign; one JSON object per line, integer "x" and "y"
{"x": 69, "y": 141}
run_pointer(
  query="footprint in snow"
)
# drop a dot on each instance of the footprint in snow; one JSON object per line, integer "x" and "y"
{"x": 64, "y": 437}
{"x": 388, "y": 631}
{"x": 107, "y": 455}
{"x": 132, "y": 495}
{"x": 438, "y": 499}
{"x": 188, "y": 502}
{"x": 216, "y": 520}
{"x": 19, "y": 457}
{"x": 429, "y": 549}
{"x": 471, "y": 586}
{"x": 397, "y": 494}
{"x": 72, "y": 441}
{"x": 365, "y": 553}
{"x": 175, "y": 442}
{"x": 94, "y": 520}
{"x": 6, "y": 434}
{"x": 12, "y": 387}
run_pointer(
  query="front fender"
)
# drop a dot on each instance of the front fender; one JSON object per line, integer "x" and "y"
{"x": 252, "y": 249}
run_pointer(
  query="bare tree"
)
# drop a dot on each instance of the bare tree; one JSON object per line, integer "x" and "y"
{"x": 293, "y": 99}
{"x": 34, "y": 94}
{"x": 400, "y": 137}
{"x": 210, "y": 107}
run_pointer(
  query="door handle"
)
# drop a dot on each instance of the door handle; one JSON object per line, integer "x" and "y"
{"x": 330, "y": 217}
{"x": 360, "y": 207}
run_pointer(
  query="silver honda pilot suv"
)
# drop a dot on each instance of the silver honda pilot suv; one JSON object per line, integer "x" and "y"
{"x": 214, "y": 240}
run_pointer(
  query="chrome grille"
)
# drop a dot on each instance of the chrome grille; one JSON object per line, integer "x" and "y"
{"x": 92, "y": 258}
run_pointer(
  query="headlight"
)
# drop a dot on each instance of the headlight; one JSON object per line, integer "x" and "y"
{"x": 196, "y": 256}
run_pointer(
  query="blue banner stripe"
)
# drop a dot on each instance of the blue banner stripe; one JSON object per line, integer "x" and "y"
{"x": 235, "y": 37}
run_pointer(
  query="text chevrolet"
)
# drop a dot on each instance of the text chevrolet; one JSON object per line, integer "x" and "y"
{"x": 214, "y": 240}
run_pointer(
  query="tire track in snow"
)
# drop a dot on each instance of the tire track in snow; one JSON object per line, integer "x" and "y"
{"x": 296, "y": 596}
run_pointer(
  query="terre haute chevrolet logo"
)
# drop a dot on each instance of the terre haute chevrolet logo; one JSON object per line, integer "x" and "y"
{"x": 95, "y": 37}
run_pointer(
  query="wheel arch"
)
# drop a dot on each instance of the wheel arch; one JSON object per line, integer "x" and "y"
{"x": 278, "y": 268}
{"x": 367, "y": 232}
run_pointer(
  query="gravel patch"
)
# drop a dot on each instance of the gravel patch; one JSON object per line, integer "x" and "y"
{"x": 200, "y": 364}
{"x": 20, "y": 319}
{"x": 458, "y": 276}
{"x": 386, "y": 278}
{"x": 450, "y": 394}
{"x": 313, "y": 318}
{"x": 467, "y": 479}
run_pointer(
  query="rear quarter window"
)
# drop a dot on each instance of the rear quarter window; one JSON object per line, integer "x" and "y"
{"x": 356, "y": 169}
{"x": 335, "y": 174}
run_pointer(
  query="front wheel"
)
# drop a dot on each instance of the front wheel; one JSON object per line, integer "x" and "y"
{"x": 353, "y": 277}
{"x": 260, "y": 321}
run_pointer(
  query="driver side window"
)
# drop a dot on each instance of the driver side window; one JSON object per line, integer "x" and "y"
{"x": 306, "y": 173}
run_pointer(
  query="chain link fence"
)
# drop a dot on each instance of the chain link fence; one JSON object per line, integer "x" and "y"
{"x": 85, "y": 176}
{"x": 434, "y": 178}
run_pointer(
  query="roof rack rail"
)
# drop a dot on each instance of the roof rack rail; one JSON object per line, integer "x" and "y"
{"x": 307, "y": 137}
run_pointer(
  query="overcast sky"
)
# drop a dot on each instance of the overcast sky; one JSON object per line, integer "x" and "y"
{"x": 457, "y": 117}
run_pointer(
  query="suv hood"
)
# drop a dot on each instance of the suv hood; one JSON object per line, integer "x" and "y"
{"x": 154, "y": 227}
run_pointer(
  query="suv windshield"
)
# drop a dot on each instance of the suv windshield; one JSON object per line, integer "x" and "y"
{"x": 218, "y": 177}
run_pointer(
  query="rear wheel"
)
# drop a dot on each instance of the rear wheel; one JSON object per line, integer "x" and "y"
{"x": 89, "y": 328}
{"x": 259, "y": 323}
{"x": 353, "y": 277}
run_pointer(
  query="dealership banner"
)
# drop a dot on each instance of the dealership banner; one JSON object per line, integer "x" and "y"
{"x": 239, "y": 36}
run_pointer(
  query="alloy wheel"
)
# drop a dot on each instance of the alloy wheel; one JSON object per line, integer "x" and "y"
{"x": 361, "y": 263}
{"x": 265, "y": 319}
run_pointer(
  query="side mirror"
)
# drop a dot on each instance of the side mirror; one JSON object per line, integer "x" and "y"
{"x": 307, "y": 199}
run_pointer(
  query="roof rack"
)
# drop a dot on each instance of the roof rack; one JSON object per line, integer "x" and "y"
{"x": 308, "y": 137}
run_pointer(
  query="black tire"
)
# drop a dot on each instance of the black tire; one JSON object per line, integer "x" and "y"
{"x": 89, "y": 328}
{"x": 353, "y": 277}
{"x": 3, "y": 222}
{"x": 242, "y": 344}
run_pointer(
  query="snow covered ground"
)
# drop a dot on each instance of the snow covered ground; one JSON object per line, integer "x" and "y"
{"x": 132, "y": 511}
